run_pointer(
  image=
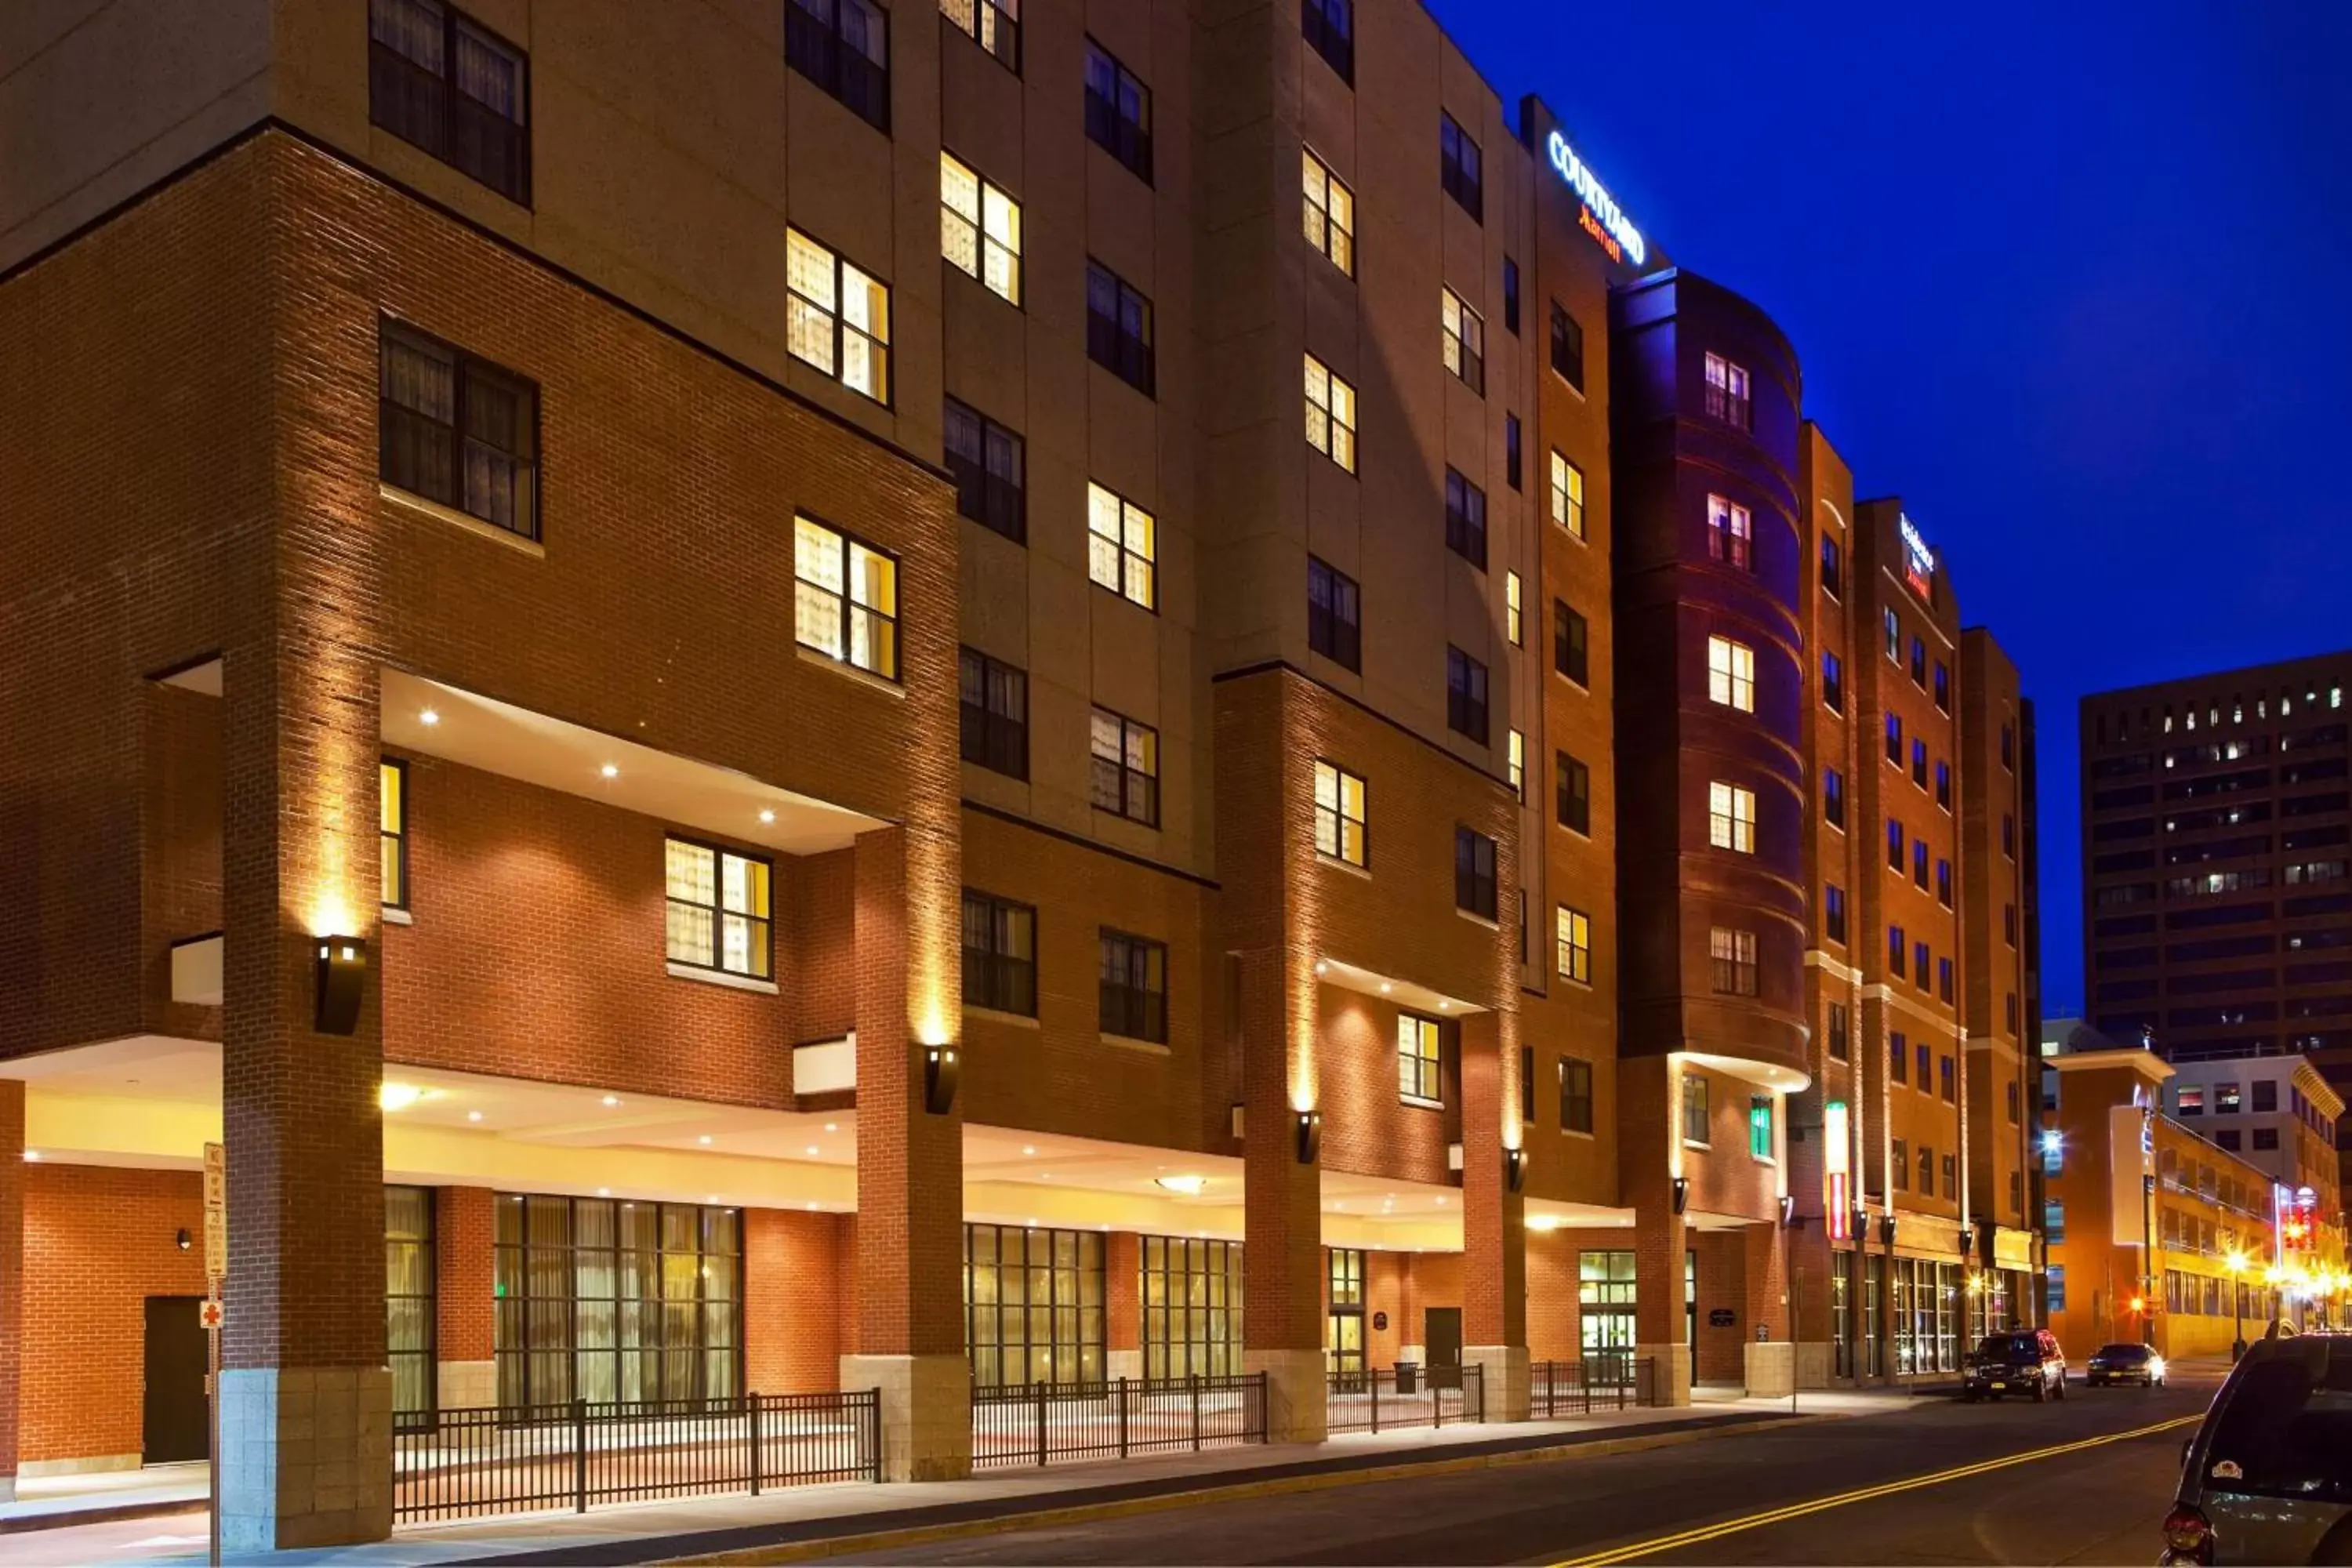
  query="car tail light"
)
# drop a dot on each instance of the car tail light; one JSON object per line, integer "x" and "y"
{"x": 2188, "y": 1536}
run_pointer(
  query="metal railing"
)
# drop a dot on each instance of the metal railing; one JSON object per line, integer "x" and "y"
{"x": 1379, "y": 1399}
{"x": 1557, "y": 1388}
{"x": 1038, "y": 1423}
{"x": 465, "y": 1463}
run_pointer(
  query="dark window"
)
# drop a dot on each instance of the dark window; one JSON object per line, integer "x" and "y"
{"x": 2229, "y": 1138}
{"x": 1474, "y": 872}
{"x": 1731, "y": 954}
{"x": 1893, "y": 844}
{"x": 1125, "y": 767}
{"x": 1514, "y": 471}
{"x": 1833, "y": 913}
{"x": 441, "y": 81}
{"x": 1919, "y": 764}
{"x": 1833, "y": 682}
{"x": 456, "y": 430}
{"x": 1119, "y": 329}
{"x": 1895, "y": 951}
{"x": 1918, "y": 662}
{"x": 1922, "y": 980}
{"x": 1465, "y": 695}
{"x": 1833, "y": 566}
{"x": 994, "y": 714}
{"x": 999, "y": 954}
{"x": 1458, "y": 167}
{"x": 990, "y": 465}
{"x": 1943, "y": 687}
{"x": 1834, "y": 797}
{"x": 1567, "y": 346}
{"x": 1118, "y": 111}
{"x": 2266, "y": 1138}
{"x": 1331, "y": 29}
{"x": 2008, "y": 835}
{"x": 994, "y": 25}
{"x": 1575, "y": 802}
{"x": 1334, "y": 615}
{"x": 1944, "y": 984}
{"x": 1575, "y": 1095}
{"x": 1919, "y": 863}
{"x": 1134, "y": 987}
{"x": 1466, "y": 520}
{"x": 1695, "y": 1109}
{"x": 1510, "y": 296}
{"x": 2008, "y": 746}
{"x": 392, "y": 810}
{"x": 2008, "y": 923}
{"x": 1951, "y": 1183}
{"x": 1944, "y": 883}
{"x": 1894, "y": 738}
{"x": 1902, "y": 1163}
{"x": 1900, "y": 1057}
{"x": 1526, "y": 1053}
{"x": 1841, "y": 1033}
{"x": 844, "y": 47}
{"x": 2265, "y": 1094}
{"x": 1944, "y": 786}
{"x": 1568, "y": 636}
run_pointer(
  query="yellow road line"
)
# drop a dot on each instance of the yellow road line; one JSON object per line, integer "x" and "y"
{"x": 1860, "y": 1494}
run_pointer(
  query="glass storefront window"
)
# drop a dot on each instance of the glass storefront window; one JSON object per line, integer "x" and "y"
{"x": 1344, "y": 1329}
{"x": 1192, "y": 1307}
{"x": 408, "y": 1298}
{"x": 1605, "y": 1302}
{"x": 1032, "y": 1305}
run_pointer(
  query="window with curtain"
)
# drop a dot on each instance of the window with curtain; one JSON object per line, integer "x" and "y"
{"x": 408, "y": 1298}
{"x": 1192, "y": 1299}
{"x": 1032, "y": 1305}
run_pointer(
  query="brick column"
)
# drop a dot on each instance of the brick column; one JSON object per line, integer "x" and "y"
{"x": 1493, "y": 1217}
{"x": 1283, "y": 1225}
{"x": 306, "y": 1397}
{"x": 465, "y": 1297}
{"x": 1123, "y": 1303}
{"x": 12, "y": 1277}
{"x": 910, "y": 1161}
{"x": 1649, "y": 1090}
{"x": 1770, "y": 1367}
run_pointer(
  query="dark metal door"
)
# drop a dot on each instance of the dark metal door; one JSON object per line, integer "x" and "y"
{"x": 172, "y": 1421}
{"x": 1443, "y": 1345}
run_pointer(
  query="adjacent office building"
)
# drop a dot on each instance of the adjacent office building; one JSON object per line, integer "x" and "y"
{"x": 829, "y": 696}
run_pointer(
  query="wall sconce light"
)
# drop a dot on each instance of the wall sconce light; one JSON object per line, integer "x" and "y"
{"x": 1682, "y": 1194}
{"x": 1514, "y": 1168}
{"x": 184, "y": 1240}
{"x": 1886, "y": 1230}
{"x": 1787, "y": 1212}
{"x": 1860, "y": 1231}
{"x": 1967, "y": 1241}
{"x": 1310, "y": 1136}
{"x": 1238, "y": 1121}
{"x": 942, "y": 1065}
{"x": 342, "y": 976}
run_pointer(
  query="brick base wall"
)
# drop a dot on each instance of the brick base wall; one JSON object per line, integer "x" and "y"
{"x": 795, "y": 1278}
{"x": 98, "y": 1242}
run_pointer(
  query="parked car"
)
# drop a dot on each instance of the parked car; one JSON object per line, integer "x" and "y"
{"x": 2021, "y": 1361}
{"x": 2124, "y": 1363}
{"x": 2268, "y": 1476}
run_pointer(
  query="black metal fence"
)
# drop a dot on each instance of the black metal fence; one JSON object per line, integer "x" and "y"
{"x": 1558, "y": 1388}
{"x": 1038, "y": 1423}
{"x": 1378, "y": 1400}
{"x": 462, "y": 1464}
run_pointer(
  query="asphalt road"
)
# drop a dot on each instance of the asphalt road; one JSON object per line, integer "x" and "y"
{"x": 1713, "y": 1500}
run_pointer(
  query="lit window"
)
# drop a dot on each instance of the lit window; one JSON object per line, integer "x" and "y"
{"x": 1464, "y": 340}
{"x": 1329, "y": 214}
{"x": 1339, "y": 815}
{"x": 837, "y": 318}
{"x": 392, "y": 791}
{"x": 1519, "y": 765}
{"x": 1727, "y": 393}
{"x": 1122, "y": 547}
{"x": 993, "y": 24}
{"x": 979, "y": 228}
{"x": 1514, "y": 626}
{"x": 1731, "y": 534}
{"x": 1126, "y": 771}
{"x": 1330, "y": 414}
{"x": 1572, "y": 942}
{"x": 1695, "y": 1109}
{"x": 718, "y": 910}
{"x": 1760, "y": 1126}
{"x": 1731, "y": 817}
{"x": 1566, "y": 495}
{"x": 1732, "y": 956}
{"x": 1417, "y": 1060}
{"x": 1731, "y": 674}
{"x": 847, "y": 599}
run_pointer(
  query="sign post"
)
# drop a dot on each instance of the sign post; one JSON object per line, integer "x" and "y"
{"x": 215, "y": 1268}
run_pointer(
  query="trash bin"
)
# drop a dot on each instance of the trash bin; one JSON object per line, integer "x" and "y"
{"x": 1408, "y": 1377}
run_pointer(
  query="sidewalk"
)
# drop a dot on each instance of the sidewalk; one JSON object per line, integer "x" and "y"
{"x": 44, "y": 1502}
{"x": 803, "y": 1517}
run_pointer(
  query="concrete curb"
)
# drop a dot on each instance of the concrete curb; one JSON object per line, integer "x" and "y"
{"x": 66, "y": 1518}
{"x": 900, "y": 1537}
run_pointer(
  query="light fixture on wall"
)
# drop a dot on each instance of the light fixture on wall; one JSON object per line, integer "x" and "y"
{"x": 342, "y": 978}
{"x": 942, "y": 1066}
{"x": 1861, "y": 1224}
{"x": 1789, "y": 1220}
{"x": 1968, "y": 1239}
{"x": 1309, "y": 1136}
{"x": 184, "y": 1240}
{"x": 1514, "y": 1168}
{"x": 1886, "y": 1230}
{"x": 1682, "y": 1194}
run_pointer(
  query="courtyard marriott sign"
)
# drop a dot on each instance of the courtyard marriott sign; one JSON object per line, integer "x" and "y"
{"x": 1603, "y": 218}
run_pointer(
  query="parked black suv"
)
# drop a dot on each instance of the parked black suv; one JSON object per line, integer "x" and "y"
{"x": 2021, "y": 1361}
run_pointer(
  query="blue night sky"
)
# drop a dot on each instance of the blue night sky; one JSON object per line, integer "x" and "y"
{"x": 2070, "y": 277}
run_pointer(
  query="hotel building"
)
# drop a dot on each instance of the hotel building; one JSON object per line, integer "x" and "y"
{"x": 808, "y": 695}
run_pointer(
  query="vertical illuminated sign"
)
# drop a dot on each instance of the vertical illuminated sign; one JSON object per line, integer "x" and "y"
{"x": 1837, "y": 1188}
{"x": 1918, "y": 561}
{"x": 1601, "y": 218}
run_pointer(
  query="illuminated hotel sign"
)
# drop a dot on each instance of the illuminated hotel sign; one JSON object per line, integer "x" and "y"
{"x": 1601, "y": 218}
{"x": 1837, "y": 1188}
{"x": 1918, "y": 561}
